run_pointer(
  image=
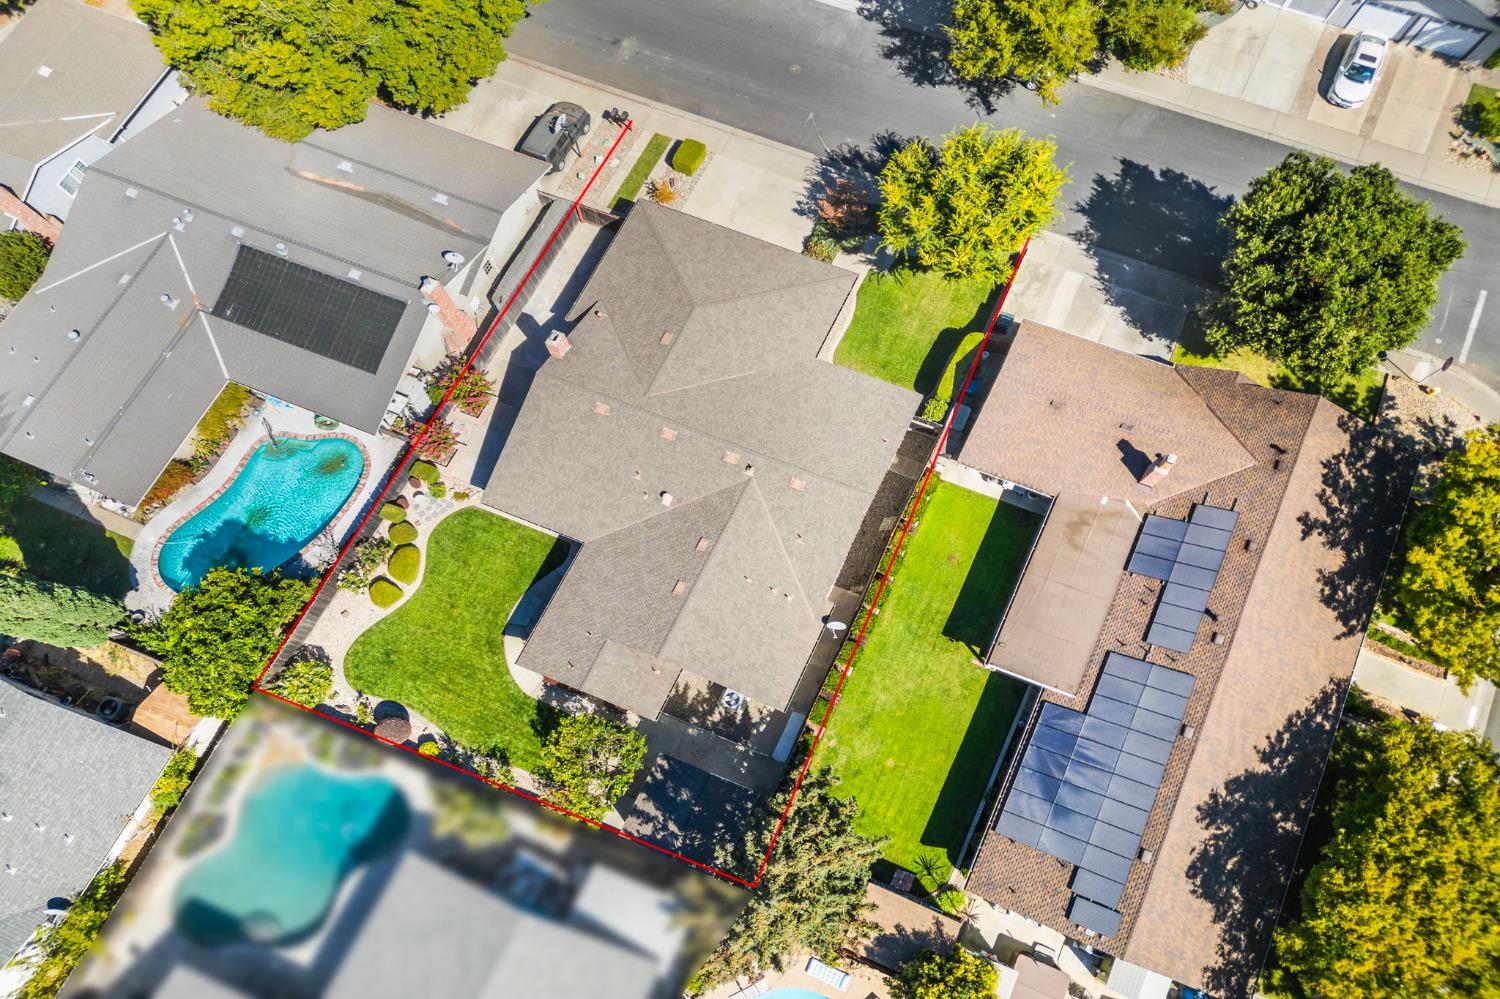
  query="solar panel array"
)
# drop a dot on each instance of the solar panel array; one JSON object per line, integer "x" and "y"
{"x": 1087, "y": 780}
{"x": 1186, "y": 554}
{"x": 327, "y": 315}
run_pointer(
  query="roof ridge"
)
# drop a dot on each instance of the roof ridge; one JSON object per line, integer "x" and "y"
{"x": 1214, "y": 414}
{"x": 665, "y": 511}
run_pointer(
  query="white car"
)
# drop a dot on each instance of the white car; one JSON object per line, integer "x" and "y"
{"x": 1359, "y": 70}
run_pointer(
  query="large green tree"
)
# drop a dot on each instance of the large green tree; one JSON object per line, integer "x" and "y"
{"x": 1326, "y": 269}
{"x": 1449, "y": 590}
{"x": 965, "y": 209}
{"x": 1148, "y": 34}
{"x": 23, "y": 257}
{"x": 217, "y": 636}
{"x": 588, "y": 762}
{"x": 55, "y": 613}
{"x": 955, "y": 975}
{"x": 1403, "y": 899}
{"x": 1042, "y": 43}
{"x": 289, "y": 66}
{"x": 812, "y": 895}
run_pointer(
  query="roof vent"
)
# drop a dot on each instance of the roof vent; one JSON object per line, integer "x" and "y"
{"x": 178, "y": 224}
{"x": 1188, "y": 732}
{"x": 345, "y": 166}
{"x": 799, "y": 540}
{"x": 600, "y": 314}
{"x": 668, "y": 434}
{"x": 636, "y": 475}
{"x": 29, "y": 400}
{"x": 749, "y": 469}
{"x": 602, "y": 408}
{"x": 666, "y": 498}
{"x": 797, "y": 484}
{"x": 67, "y": 837}
{"x": 433, "y": 308}
{"x": 74, "y": 335}
{"x": 168, "y": 300}
{"x": 131, "y": 193}
{"x": 440, "y": 198}
{"x": 281, "y": 248}
{"x": 9, "y": 869}
{"x": 731, "y": 458}
{"x": 5, "y": 816}
{"x": 44, "y": 71}
{"x": 1128, "y": 427}
{"x": 187, "y": 215}
{"x": 666, "y": 339}
{"x": 89, "y": 441}
{"x": 355, "y": 274}
{"x": 703, "y": 545}
{"x": 125, "y": 278}
{"x": 237, "y": 231}
{"x": 453, "y": 259}
{"x": 1145, "y": 856}
{"x": 680, "y": 588}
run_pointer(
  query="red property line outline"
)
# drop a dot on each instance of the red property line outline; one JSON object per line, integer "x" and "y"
{"x": 859, "y": 641}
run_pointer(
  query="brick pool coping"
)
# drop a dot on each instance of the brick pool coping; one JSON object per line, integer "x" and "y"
{"x": 229, "y": 480}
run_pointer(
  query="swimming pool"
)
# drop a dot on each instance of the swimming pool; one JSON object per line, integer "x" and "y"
{"x": 300, "y": 832}
{"x": 282, "y": 497}
{"x": 794, "y": 994}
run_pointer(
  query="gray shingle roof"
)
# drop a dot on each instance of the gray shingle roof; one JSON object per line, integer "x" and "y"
{"x": 102, "y": 65}
{"x": 700, "y": 343}
{"x": 79, "y": 778}
{"x": 115, "y": 404}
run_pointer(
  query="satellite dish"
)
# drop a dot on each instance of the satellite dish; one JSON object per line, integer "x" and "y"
{"x": 837, "y": 627}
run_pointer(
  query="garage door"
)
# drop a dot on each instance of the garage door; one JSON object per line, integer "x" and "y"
{"x": 1446, "y": 38}
{"x": 1378, "y": 19}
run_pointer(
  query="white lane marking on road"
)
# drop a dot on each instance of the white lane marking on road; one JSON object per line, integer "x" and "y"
{"x": 1463, "y": 355}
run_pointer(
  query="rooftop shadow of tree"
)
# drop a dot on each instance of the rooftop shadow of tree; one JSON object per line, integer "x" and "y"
{"x": 1253, "y": 826}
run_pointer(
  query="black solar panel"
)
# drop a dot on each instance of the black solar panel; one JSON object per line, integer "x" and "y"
{"x": 1099, "y": 918}
{"x": 327, "y": 315}
{"x": 1187, "y": 556}
{"x": 1087, "y": 779}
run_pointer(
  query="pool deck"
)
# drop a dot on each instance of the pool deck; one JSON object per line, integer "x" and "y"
{"x": 152, "y": 595}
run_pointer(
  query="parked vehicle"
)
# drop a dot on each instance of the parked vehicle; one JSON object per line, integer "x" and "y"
{"x": 1359, "y": 70}
{"x": 559, "y": 131}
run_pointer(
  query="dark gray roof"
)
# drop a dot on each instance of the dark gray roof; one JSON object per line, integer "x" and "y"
{"x": 80, "y": 779}
{"x": 430, "y": 932}
{"x": 693, "y": 372}
{"x": 115, "y": 404}
{"x": 101, "y": 66}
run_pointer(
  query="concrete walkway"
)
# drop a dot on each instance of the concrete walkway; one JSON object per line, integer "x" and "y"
{"x": 1265, "y": 71}
{"x": 1442, "y": 700}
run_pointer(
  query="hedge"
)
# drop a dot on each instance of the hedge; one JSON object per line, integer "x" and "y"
{"x": 405, "y": 561}
{"x": 383, "y": 592}
{"x": 403, "y": 533}
{"x": 394, "y": 512}
{"x": 689, "y": 156}
{"x": 426, "y": 471}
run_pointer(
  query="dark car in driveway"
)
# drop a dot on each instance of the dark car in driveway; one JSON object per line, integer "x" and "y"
{"x": 559, "y": 131}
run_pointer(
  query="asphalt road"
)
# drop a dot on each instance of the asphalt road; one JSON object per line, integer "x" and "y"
{"x": 1147, "y": 182}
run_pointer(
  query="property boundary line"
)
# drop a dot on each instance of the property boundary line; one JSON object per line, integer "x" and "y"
{"x": 416, "y": 441}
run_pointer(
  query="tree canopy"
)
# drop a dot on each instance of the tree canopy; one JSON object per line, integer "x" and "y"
{"x": 23, "y": 257}
{"x": 1449, "y": 590}
{"x": 1148, "y": 34}
{"x": 965, "y": 209}
{"x": 1043, "y": 43}
{"x": 55, "y": 613}
{"x": 217, "y": 636}
{"x": 955, "y": 975}
{"x": 308, "y": 682}
{"x": 1402, "y": 901}
{"x": 589, "y": 762}
{"x": 1325, "y": 269}
{"x": 289, "y": 66}
{"x": 812, "y": 896}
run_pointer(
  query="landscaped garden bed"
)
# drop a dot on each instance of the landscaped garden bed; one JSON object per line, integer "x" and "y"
{"x": 918, "y": 726}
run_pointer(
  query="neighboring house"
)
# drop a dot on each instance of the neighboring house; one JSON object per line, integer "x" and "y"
{"x": 67, "y": 793}
{"x": 75, "y": 80}
{"x": 204, "y": 252}
{"x": 1457, "y": 29}
{"x": 713, "y": 468}
{"x": 1190, "y": 616}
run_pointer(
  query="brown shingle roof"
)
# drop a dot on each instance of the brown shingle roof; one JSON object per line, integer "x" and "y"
{"x": 1318, "y": 503}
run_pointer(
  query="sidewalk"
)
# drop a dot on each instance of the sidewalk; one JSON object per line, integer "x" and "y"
{"x": 1264, "y": 71}
{"x": 1438, "y": 699}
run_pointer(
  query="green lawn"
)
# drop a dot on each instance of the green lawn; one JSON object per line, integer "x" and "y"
{"x": 918, "y": 726}
{"x": 62, "y": 548}
{"x": 907, "y": 323}
{"x": 630, "y": 187}
{"x": 1359, "y": 395}
{"x": 442, "y": 653}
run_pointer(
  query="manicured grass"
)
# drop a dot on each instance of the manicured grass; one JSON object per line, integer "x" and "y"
{"x": 630, "y": 187}
{"x": 62, "y": 548}
{"x": 1360, "y": 395}
{"x": 442, "y": 653}
{"x": 907, "y": 323}
{"x": 918, "y": 726}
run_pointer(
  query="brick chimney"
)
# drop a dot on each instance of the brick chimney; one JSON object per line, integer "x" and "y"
{"x": 1159, "y": 470}
{"x": 558, "y": 343}
{"x": 31, "y": 220}
{"x": 461, "y": 328}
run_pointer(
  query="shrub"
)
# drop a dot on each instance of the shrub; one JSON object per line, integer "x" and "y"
{"x": 223, "y": 417}
{"x": 1486, "y": 118}
{"x": 440, "y": 441}
{"x": 820, "y": 247}
{"x": 394, "y": 512}
{"x": 363, "y": 559}
{"x": 383, "y": 592}
{"x": 23, "y": 257}
{"x": 471, "y": 393}
{"x": 403, "y": 533}
{"x": 845, "y": 214}
{"x": 428, "y": 748}
{"x": 663, "y": 192}
{"x": 1493, "y": 61}
{"x": 308, "y": 682}
{"x": 177, "y": 476}
{"x": 425, "y": 471}
{"x": 950, "y": 900}
{"x": 167, "y": 792}
{"x": 438, "y": 490}
{"x": 405, "y": 561}
{"x": 462, "y": 495}
{"x": 935, "y": 409}
{"x": 689, "y": 156}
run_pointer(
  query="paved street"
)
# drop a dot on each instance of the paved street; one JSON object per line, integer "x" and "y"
{"x": 1148, "y": 182}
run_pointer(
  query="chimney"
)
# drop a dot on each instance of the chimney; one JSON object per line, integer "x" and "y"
{"x": 1158, "y": 471}
{"x": 666, "y": 498}
{"x": 558, "y": 343}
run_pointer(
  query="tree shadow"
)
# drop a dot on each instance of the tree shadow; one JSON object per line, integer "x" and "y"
{"x": 1254, "y": 825}
{"x": 848, "y": 164}
{"x": 914, "y": 38}
{"x": 991, "y": 578}
{"x": 935, "y": 363}
{"x": 59, "y": 547}
{"x": 1363, "y": 492}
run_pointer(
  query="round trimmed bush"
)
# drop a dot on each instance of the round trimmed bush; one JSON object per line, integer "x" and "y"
{"x": 428, "y": 748}
{"x": 689, "y": 156}
{"x": 438, "y": 490}
{"x": 426, "y": 471}
{"x": 394, "y": 512}
{"x": 405, "y": 561}
{"x": 383, "y": 592}
{"x": 403, "y": 533}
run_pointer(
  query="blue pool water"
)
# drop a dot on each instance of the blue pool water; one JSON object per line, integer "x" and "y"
{"x": 278, "y": 503}
{"x": 298, "y": 835}
{"x": 794, "y": 994}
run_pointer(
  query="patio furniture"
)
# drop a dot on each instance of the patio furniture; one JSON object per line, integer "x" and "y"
{"x": 903, "y": 880}
{"x": 759, "y": 988}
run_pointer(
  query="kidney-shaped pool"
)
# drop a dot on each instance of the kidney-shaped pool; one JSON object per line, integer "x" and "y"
{"x": 284, "y": 495}
{"x": 299, "y": 835}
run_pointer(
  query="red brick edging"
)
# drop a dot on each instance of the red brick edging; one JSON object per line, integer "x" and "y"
{"x": 364, "y": 476}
